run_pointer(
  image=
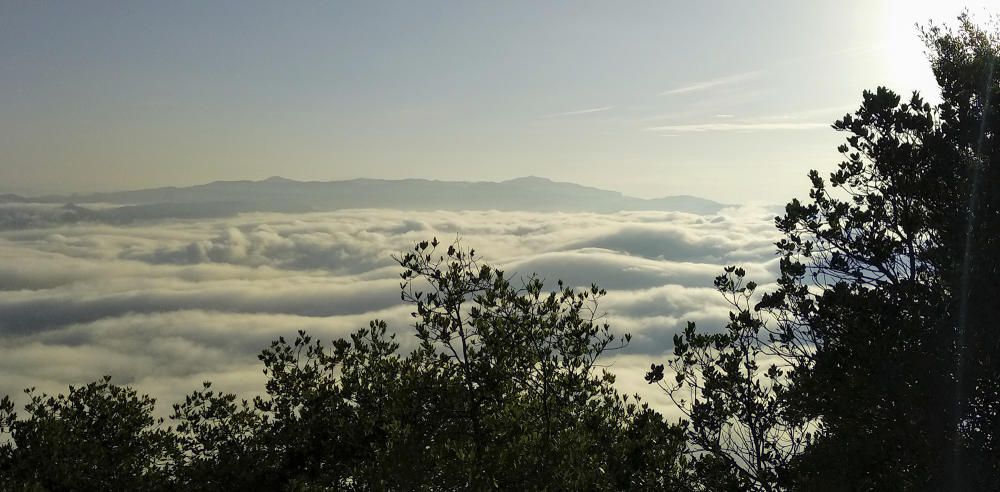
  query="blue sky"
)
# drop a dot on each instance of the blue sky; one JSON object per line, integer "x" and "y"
{"x": 730, "y": 100}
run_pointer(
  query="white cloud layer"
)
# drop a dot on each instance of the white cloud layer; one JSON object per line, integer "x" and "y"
{"x": 166, "y": 305}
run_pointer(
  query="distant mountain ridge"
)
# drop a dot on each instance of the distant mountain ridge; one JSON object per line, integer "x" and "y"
{"x": 277, "y": 194}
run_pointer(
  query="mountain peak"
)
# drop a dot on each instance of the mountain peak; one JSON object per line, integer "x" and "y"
{"x": 278, "y": 194}
{"x": 10, "y": 197}
{"x": 529, "y": 180}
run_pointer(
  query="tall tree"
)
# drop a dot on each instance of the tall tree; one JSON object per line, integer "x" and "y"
{"x": 881, "y": 332}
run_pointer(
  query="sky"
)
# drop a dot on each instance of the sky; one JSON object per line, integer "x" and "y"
{"x": 729, "y": 100}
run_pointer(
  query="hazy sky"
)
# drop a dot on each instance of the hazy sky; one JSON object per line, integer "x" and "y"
{"x": 726, "y": 100}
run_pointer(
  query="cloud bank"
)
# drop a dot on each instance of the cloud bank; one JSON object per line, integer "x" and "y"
{"x": 164, "y": 305}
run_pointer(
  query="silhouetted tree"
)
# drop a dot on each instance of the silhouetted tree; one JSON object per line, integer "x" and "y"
{"x": 880, "y": 337}
{"x": 906, "y": 257}
{"x": 732, "y": 394}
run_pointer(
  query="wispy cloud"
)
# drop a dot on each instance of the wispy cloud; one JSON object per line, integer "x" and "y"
{"x": 807, "y": 119}
{"x": 826, "y": 112}
{"x": 711, "y": 84}
{"x": 580, "y": 111}
{"x": 737, "y": 127}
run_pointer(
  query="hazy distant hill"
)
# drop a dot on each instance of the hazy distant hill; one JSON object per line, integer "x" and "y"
{"x": 12, "y": 198}
{"x": 224, "y": 198}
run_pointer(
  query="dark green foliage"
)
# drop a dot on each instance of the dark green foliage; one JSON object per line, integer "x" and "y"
{"x": 218, "y": 437}
{"x": 98, "y": 437}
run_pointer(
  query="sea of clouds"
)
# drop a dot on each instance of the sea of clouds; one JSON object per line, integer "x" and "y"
{"x": 165, "y": 305}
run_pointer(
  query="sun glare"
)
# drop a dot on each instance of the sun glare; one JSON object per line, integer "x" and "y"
{"x": 905, "y": 52}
